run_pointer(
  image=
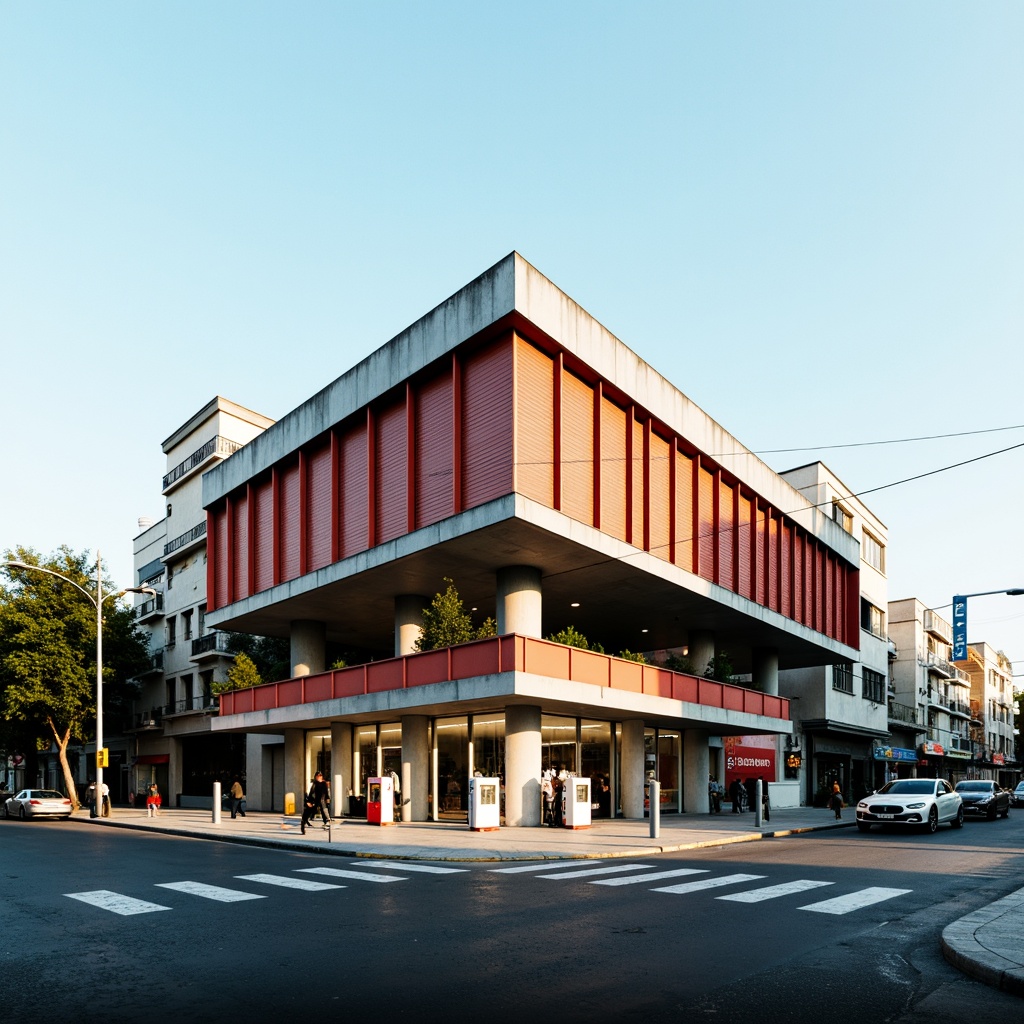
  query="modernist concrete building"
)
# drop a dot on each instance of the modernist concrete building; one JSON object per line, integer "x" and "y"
{"x": 169, "y": 740}
{"x": 508, "y": 441}
{"x": 840, "y": 724}
{"x": 990, "y": 673}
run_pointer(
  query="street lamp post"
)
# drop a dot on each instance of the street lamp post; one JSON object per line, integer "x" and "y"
{"x": 98, "y": 603}
{"x": 960, "y": 618}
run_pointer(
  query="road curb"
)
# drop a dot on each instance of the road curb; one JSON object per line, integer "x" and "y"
{"x": 972, "y": 944}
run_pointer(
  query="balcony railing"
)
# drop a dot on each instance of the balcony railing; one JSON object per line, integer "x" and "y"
{"x": 218, "y": 446}
{"x": 148, "y": 609}
{"x": 191, "y": 705}
{"x": 496, "y": 655}
{"x": 902, "y": 713}
{"x": 197, "y": 531}
{"x": 212, "y": 643}
{"x": 937, "y": 664}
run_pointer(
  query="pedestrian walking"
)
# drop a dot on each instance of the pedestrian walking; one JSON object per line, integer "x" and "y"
{"x": 153, "y": 800}
{"x": 547, "y": 790}
{"x": 237, "y": 798}
{"x": 317, "y": 799}
{"x": 715, "y": 794}
{"x": 766, "y": 804}
{"x": 736, "y": 795}
{"x": 837, "y": 800}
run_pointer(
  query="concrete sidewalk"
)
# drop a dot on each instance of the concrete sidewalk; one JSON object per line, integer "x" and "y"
{"x": 987, "y": 944}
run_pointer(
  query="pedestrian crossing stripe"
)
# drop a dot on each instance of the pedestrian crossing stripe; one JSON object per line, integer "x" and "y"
{"x": 854, "y": 900}
{"x": 211, "y": 892}
{"x": 587, "y": 872}
{"x": 771, "y": 892}
{"x": 401, "y": 865}
{"x": 115, "y": 902}
{"x": 364, "y": 876}
{"x": 708, "y": 883}
{"x": 652, "y": 877}
{"x": 289, "y": 883}
{"x": 562, "y": 865}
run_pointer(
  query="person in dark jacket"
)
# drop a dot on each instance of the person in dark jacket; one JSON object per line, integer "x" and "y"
{"x": 317, "y": 799}
{"x": 837, "y": 800}
{"x": 736, "y": 795}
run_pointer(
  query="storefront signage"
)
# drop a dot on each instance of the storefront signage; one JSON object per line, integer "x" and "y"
{"x": 931, "y": 749}
{"x": 893, "y": 754}
{"x": 746, "y": 759}
{"x": 998, "y": 759}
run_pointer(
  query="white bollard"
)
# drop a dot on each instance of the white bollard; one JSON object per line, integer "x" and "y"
{"x": 758, "y": 803}
{"x": 216, "y": 803}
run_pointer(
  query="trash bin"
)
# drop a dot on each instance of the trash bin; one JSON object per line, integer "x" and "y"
{"x": 484, "y": 804}
{"x": 380, "y": 801}
{"x": 576, "y": 802}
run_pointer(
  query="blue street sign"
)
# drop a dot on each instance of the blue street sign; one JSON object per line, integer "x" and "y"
{"x": 959, "y": 628}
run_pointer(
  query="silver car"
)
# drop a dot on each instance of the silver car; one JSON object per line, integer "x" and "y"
{"x": 925, "y": 803}
{"x": 1017, "y": 796}
{"x": 37, "y": 803}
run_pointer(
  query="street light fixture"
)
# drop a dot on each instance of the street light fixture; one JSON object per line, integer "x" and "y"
{"x": 960, "y": 618}
{"x": 97, "y": 602}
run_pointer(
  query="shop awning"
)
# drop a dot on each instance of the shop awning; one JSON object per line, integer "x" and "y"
{"x": 153, "y": 759}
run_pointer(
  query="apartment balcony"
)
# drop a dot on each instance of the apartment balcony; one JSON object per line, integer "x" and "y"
{"x": 151, "y": 610}
{"x": 188, "y": 541}
{"x": 156, "y": 664}
{"x": 936, "y": 665}
{"x": 902, "y": 715}
{"x": 219, "y": 448}
{"x": 202, "y": 704}
{"x": 960, "y": 709}
{"x": 938, "y": 627}
{"x": 150, "y": 720}
{"x": 213, "y": 645}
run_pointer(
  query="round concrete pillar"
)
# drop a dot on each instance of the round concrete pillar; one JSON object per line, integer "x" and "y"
{"x": 308, "y": 647}
{"x": 408, "y": 622}
{"x": 519, "y": 602}
{"x": 415, "y": 768}
{"x": 631, "y": 770}
{"x": 296, "y": 781}
{"x": 765, "y": 676}
{"x": 341, "y": 767}
{"x": 701, "y": 649}
{"x": 522, "y": 765}
{"x": 696, "y": 772}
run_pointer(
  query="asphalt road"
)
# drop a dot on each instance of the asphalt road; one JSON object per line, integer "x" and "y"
{"x": 833, "y": 926}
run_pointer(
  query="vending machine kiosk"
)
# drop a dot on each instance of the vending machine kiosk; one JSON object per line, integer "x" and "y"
{"x": 380, "y": 801}
{"x": 484, "y": 804}
{"x": 576, "y": 802}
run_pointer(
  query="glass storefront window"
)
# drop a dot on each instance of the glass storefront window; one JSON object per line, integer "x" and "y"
{"x": 391, "y": 748}
{"x": 365, "y": 747}
{"x": 596, "y": 764}
{"x": 662, "y": 762}
{"x": 319, "y": 746}
{"x": 558, "y": 743}
{"x": 489, "y": 745}
{"x": 451, "y": 736}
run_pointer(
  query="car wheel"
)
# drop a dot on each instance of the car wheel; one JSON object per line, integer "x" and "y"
{"x": 1006, "y": 813}
{"x": 7, "y": 810}
{"x": 992, "y": 813}
{"x": 24, "y": 817}
{"x": 958, "y": 821}
{"x": 933, "y": 820}
{"x": 863, "y": 826}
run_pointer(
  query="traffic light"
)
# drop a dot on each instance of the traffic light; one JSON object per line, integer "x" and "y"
{"x": 103, "y": 758}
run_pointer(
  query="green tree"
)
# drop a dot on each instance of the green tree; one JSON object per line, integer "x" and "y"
{"x": 48, "y": 651}
{"x": 241, "y": 675}
{"x": 719, "y": 668}
{"x": 572, "y": 637}
{"x": 628, "y": 655}
{"x": 447, "y": 623}
{"x": 271, "y": 655}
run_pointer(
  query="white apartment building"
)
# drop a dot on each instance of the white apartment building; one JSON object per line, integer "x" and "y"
{"x": 169, "y": 740}
{"x": 931, "y": 698}
{"x": 839, "y": 711}
{"x": 992, "y": 705}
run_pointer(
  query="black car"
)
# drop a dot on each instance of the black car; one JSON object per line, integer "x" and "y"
{"x": 984, "y": 799}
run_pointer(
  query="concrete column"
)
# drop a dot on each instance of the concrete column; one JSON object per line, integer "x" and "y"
{"x": 631, "y": 768}
{"x": 522, "y": 765}
{"x": 408, "y": 622}
{"x": 308, "y": 647}
{"x": 415, "y": 768}
{"x": 765, "y": 675}
{"x": 295, "y": 779}
{"x": 341, "y": 767}
{"x": 175, "y": 773}
{"x": 701, "y": 649}
{"x": 696, "y": 771}
{"x": 519, "y": 603}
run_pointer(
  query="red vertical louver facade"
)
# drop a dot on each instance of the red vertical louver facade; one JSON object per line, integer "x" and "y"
{"x": 514, "y": 416}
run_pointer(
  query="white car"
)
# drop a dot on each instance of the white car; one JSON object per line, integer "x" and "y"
{"x": 37, "y": 803}
{"x": 921, "y": 802}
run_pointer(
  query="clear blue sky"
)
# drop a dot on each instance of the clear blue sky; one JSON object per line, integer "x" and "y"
{"x": 809, "y": 217}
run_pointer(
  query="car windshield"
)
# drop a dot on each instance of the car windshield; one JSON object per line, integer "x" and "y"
{"x": 45, "y": 794}
{"x": 974, "y": 787}
{"x": 909, "y": 786}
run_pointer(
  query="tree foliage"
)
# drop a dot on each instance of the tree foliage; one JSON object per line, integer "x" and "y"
{"x": 48, "y": 650}
{"x": 242, "y": 674}
{"x": 447, "y": 623}
{"x": 572, "y": 637}
{"x": 271, "y": 655}
{"x": 719, "y": 668}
